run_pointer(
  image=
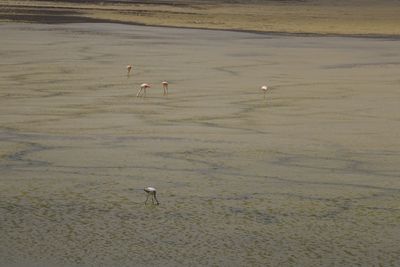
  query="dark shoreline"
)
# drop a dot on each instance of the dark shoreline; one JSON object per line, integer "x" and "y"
{"x": 80, "y": 19}
{"x": 325, "y": 20}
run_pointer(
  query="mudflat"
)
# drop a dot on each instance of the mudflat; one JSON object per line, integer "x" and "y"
{"x": 339, "y": 17}
{"x": 308, "y": 176}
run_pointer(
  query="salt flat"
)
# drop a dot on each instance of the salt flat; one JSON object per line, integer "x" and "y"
{"x": 308, "y": 176}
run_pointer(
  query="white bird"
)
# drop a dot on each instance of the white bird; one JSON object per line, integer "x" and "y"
{"x": 143, "y": 88}
{"x": 128, "y": 68}
{"x": 165, "y": 87}
{"x": 264, "y": 88}
{"x": 151, "y": 191}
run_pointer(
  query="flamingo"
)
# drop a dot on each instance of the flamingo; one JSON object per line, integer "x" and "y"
{"x": 151, "y": 191}
{"x": 128, "y": 68}
{"x": 143, "y": 87}
{"x": 165, "y": 87}
{"x": 264, "y": 88}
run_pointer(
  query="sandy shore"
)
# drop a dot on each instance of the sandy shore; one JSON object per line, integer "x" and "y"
{"x": 306, "y": 177}
{"x": 356, "y": 17}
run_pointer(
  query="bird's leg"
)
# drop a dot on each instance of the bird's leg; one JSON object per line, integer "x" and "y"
{"x": 144, "y": 95}
{"x": 155, "y": 197}
{"x": 147, "y": 198}
{"x": 140, "y": 90}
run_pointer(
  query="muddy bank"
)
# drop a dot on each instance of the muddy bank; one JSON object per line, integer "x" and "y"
{"x": 376, "y": 18}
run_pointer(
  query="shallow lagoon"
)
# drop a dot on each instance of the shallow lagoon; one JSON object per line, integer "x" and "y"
{"x": 308, "y": 176}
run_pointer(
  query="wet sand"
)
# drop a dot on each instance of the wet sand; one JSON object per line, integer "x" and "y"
{"x": 308, "y": 176}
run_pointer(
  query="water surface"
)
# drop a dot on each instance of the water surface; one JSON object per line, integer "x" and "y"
{"x": 308, "y": 176}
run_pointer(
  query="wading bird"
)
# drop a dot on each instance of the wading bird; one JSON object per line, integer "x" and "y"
{"x": 151, "y": 191}
{"x": 165, "y": 87}
{"x": 143, "y": 88}
{"x": 128, "y": 68}
{"x": 264, "y": 88}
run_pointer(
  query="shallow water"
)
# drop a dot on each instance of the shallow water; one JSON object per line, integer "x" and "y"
{"x": 308, "y": 176}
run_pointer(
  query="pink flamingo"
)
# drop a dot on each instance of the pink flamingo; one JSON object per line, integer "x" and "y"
{"x": 143, "y": 88}
{"x": 264, "y": 88}
{"x": 151, "y": 191}
{"x": 128, "y": 68}
{"x": 165, "y": 87}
